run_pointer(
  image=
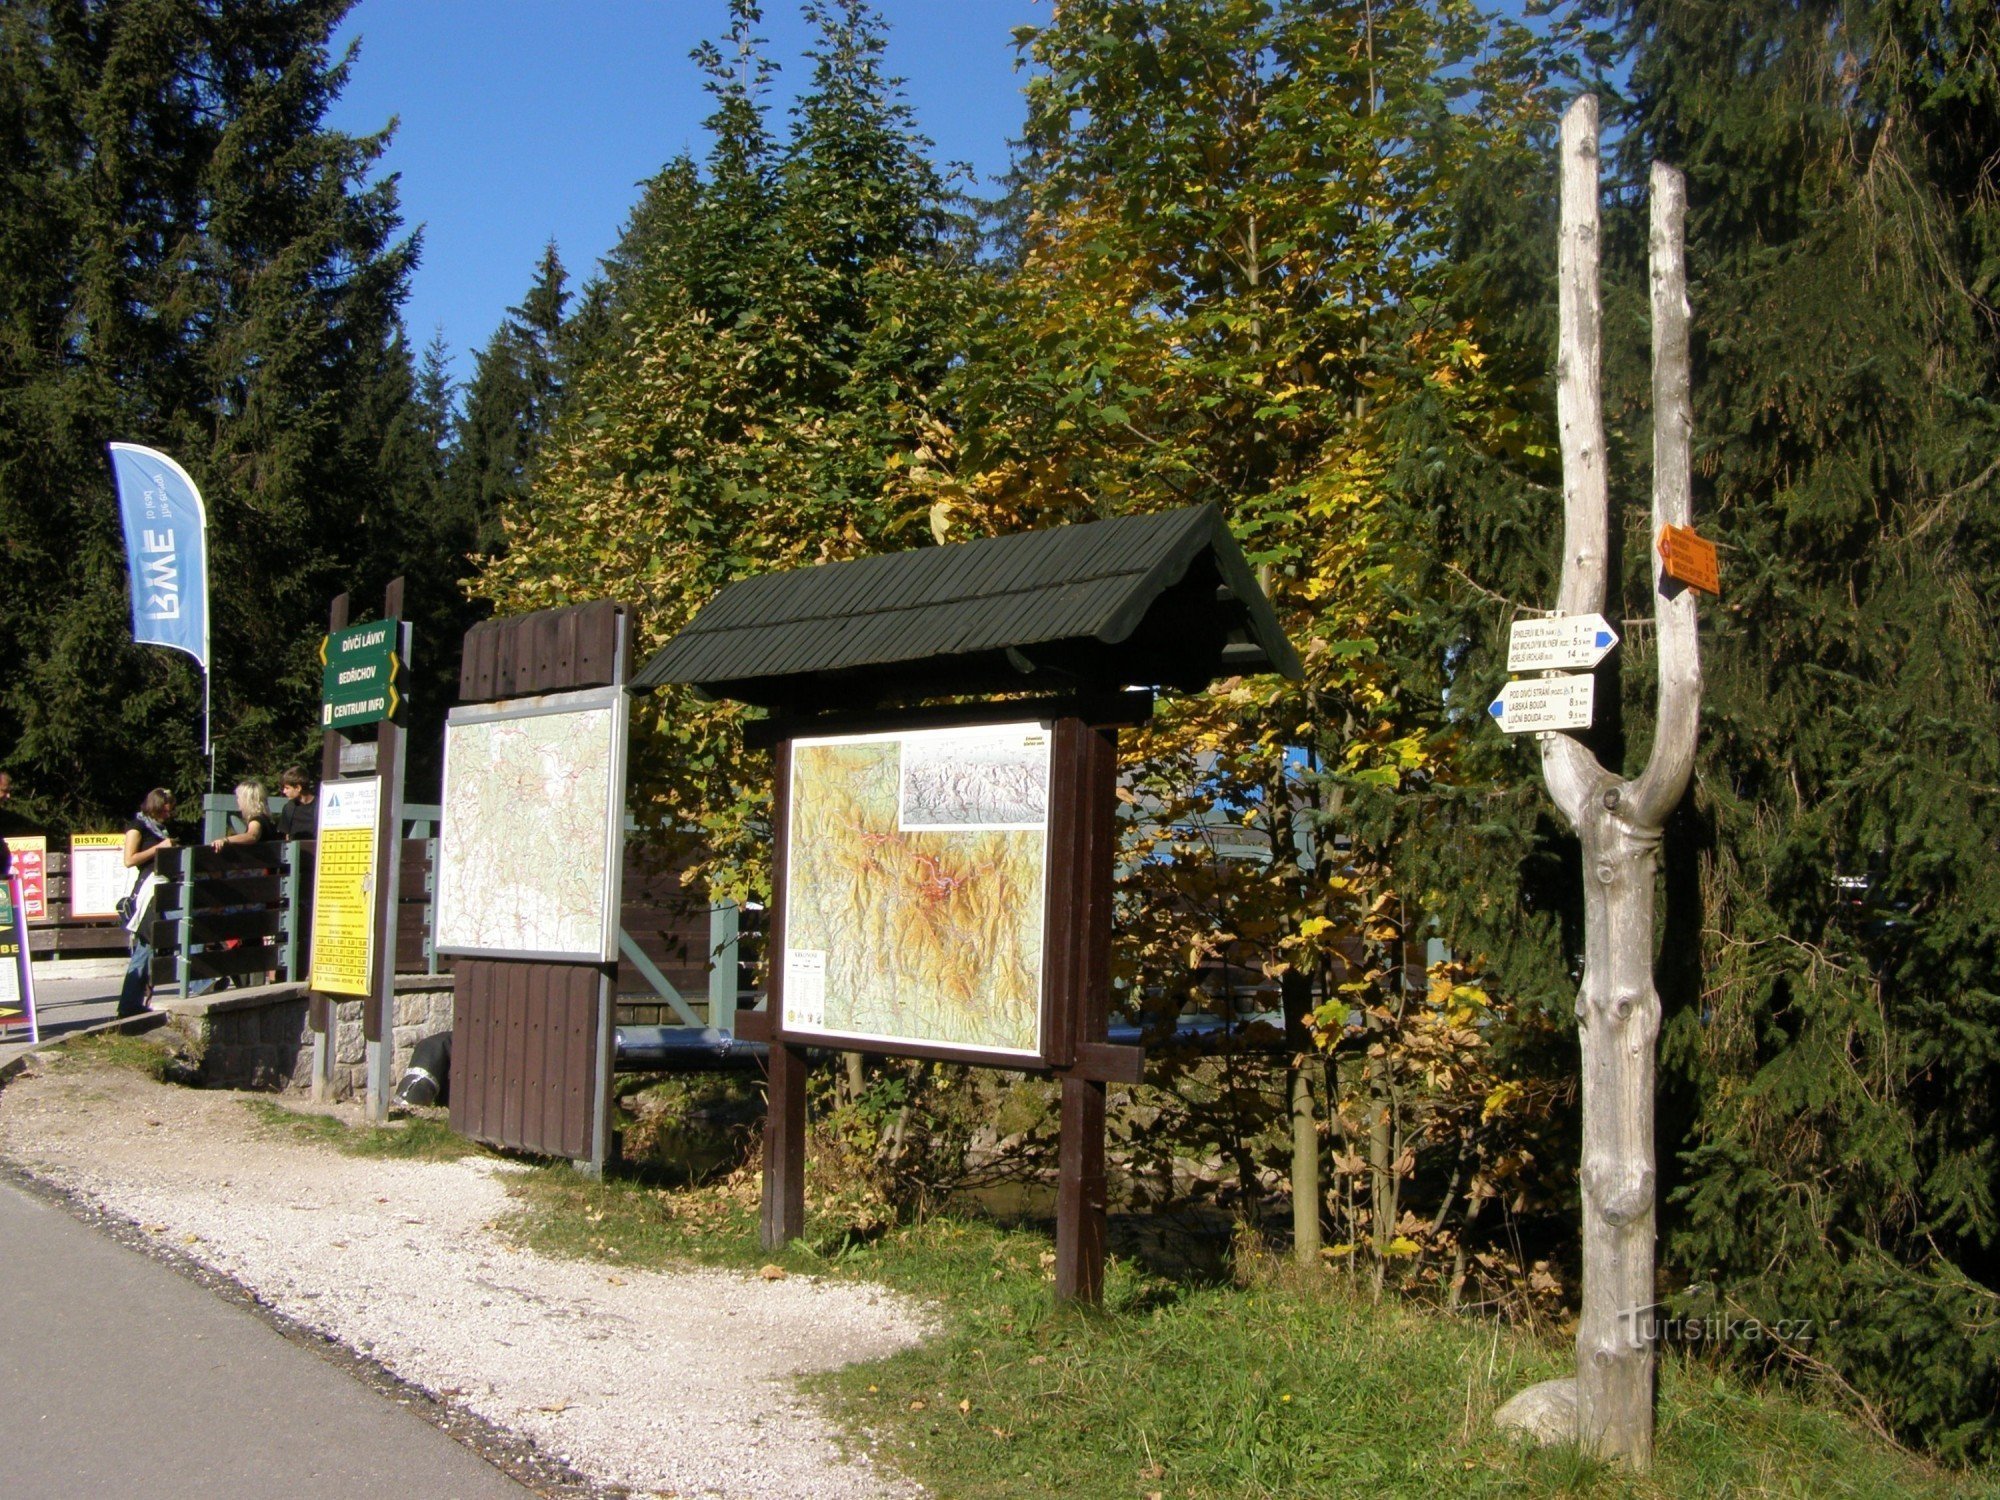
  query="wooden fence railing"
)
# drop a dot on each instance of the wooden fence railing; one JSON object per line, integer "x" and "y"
{"x": 246, "y": 912}
{"x": 230, "y": 914}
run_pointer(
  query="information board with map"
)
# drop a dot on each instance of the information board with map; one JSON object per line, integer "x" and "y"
{"x": 916, "y": 888}
{"x": 532, "y": 834}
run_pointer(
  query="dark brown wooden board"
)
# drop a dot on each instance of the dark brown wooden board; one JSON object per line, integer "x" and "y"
{"x": 524, "y": 1053}
{"x": 784, "y": 1205}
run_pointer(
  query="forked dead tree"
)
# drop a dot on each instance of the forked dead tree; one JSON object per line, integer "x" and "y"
{"x": 1619, "y": 822}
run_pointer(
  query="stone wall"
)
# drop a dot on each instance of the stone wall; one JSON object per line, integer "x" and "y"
{"x": 259, "y": 1038}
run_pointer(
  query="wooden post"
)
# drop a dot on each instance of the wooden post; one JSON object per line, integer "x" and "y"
{"x": 1081, "y": 1190}
{"x": 379, "y": 1011}
{"x": 784, "y": 1208}
{"x": 1619, "y": 822}
{"x": 319, "y": 1008}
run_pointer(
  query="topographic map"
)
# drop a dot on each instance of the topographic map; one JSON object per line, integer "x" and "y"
{"x": 524, "y": 861}
{"x": 914, "y": 900}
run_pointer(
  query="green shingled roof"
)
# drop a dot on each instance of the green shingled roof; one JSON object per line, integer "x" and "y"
{"x": 1163, "y": 600}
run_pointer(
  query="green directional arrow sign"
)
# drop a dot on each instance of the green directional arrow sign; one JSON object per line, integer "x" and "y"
{"x": 358, "y": 681}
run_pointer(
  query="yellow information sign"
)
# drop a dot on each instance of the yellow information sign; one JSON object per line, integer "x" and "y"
{"x": 343, "y": 921}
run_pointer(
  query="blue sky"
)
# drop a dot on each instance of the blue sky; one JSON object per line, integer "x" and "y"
{"x": 522, "y": 121}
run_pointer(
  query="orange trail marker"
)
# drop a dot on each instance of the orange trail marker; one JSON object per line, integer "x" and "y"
{"x": 1690, "y": 559}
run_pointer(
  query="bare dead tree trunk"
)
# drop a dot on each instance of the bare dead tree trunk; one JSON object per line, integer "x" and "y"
{"x": 1619, "y": 822}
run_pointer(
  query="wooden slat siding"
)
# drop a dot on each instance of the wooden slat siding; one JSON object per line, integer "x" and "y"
{"x": 669, "y": 922}
{"x": 208, "y": 926}
{"x": 513, "y": 1055}
{"x": 579, "y": 1062}
{"x": 237, "y": 875}
{"x": 524, "y": 1044}
{"x": 468, "y": 1047}
{"x": 547, "y": 1073}
{"x": 414, "y": 908}
{"x": 525, "y": 1077}
{"x": 548, "y": 631}
{"x": 597, "y": 643}
{"x": 61, "y": 939}
{"x": 237, "y": 890}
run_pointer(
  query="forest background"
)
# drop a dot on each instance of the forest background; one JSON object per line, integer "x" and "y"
{"x": 1292, "y": 258}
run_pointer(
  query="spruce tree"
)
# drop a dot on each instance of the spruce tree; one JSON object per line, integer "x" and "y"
{"x": 189, "y": 258}
{"x": 1840, "y": 1061}
{"x": 510, "y": 405}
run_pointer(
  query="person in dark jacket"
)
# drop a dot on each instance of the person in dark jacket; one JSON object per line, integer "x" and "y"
{"x": 145, "y": 836}
{"x": 299, "y": 817}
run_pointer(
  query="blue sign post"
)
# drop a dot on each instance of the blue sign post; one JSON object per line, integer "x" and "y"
{"x": 166, "y": 556}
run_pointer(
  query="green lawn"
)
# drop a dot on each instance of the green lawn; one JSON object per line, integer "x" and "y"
{"x": 1270, "y": 1387}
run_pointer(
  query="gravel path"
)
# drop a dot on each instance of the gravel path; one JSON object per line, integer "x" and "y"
{"x": 670, "y": 1384}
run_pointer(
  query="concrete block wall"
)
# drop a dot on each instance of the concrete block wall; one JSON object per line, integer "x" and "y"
{"x": 259, "y": 1038}
{"x": 419, "y": 1013}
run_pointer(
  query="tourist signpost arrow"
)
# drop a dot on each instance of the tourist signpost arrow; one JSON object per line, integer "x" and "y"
{"x": 1545, "y": 703}
{"x": 1688, "y": 557}
{"x": 1559, "y": 643}
{"x": 358, "y": 678}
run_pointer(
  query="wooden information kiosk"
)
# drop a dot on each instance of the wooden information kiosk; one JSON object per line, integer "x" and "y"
{"x": 941, "y": 876}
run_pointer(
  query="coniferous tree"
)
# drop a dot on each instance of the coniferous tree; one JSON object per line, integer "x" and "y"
{"x": 1832, "y": 1037}
{"x": 1840, "y": 1062}
{"x": 510, "y": 406}
{"x": 188, "y": 258}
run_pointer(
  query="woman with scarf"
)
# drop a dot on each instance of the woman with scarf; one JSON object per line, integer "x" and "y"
{"x": 145, "y": 836}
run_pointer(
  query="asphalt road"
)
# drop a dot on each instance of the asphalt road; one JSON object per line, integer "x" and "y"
{"x": 120, "y": 1377}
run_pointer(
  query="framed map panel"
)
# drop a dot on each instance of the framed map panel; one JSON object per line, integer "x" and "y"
{"x": 916, "y": 889}
{"x": 532, "y": 837}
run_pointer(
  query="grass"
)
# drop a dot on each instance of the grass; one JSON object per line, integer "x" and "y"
{"x": 1274, "y": 1386}
{"x": 415, "y": 1138}
{"x": 143, "y": 1053}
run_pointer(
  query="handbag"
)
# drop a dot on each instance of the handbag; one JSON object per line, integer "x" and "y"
{"x": 137, "y": 908}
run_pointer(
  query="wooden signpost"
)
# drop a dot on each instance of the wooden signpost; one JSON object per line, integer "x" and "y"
{"x": 352, "y": 965}
{"x": 1608, "y": 1407}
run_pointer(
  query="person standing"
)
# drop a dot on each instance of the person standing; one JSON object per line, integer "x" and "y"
{"x": 299, "y": 817}
{"x": 258, "y": 824}
{"x": 145, "y": 836}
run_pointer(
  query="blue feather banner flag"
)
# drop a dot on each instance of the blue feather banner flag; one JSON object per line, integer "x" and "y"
{"x": 166, "y": 555}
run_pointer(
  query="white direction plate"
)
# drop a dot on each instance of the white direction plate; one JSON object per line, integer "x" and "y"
{"x": 1558, "y": 644}
{"x": 1540, "y": 703}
